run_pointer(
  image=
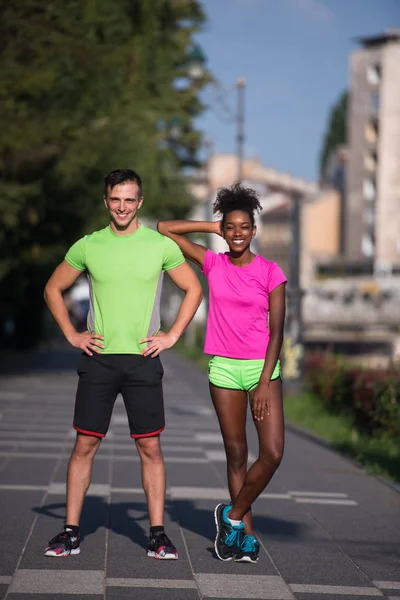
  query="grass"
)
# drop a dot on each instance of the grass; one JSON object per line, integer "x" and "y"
{"x": 377, "y": 454}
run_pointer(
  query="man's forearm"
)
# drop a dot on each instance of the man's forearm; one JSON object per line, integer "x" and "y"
{"x": 59, "y": 312}
{"x": 187, "y": 310}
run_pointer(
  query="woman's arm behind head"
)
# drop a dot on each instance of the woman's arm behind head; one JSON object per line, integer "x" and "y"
{"x": 177, "y": 230}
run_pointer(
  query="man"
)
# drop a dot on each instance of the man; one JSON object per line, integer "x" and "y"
{"x": 125, "y": 263}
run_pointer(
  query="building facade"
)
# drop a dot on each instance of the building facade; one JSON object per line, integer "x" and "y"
{"x": 372, "y": 212}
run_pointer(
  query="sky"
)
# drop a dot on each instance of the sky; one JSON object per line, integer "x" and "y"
{"x": 294, "y": 55}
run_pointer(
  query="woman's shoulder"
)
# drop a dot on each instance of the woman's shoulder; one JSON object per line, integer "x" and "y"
{"x": 267, "y": 264}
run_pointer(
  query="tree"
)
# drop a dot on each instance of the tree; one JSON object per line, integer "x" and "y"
{"x": 335, "y": 134}
{"x": 86, "y": 86}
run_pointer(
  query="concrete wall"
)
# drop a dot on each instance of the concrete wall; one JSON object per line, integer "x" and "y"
{"x": 388, "y": 205}
{"x": 360, "y": 114}
{"x": 320, "y": 235}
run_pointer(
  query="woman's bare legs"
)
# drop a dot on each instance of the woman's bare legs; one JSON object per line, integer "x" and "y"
{"x": 271, "y": 444}
{"x": 231, "y": 409}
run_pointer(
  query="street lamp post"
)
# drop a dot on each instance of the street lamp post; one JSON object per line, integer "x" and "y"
{"x": 196, "y": 71}
{"x": 240, "y": 85}
{"x": 293, "y": 349}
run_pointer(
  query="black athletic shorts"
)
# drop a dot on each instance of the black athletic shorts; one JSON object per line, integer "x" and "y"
{"x": 103, "y": 376}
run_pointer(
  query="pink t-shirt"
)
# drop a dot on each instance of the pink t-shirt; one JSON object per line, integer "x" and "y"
{"x": 237, "y": 324}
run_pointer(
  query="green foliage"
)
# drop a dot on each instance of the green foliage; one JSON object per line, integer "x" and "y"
{"x": 335, "y": 134}
{"x": 86, "y": 87}
{"x": 370, "y": 398}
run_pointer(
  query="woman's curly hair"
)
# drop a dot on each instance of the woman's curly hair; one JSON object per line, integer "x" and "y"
{"x": 237, "y": 197}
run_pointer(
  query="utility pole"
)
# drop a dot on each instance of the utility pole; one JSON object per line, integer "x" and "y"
{"x": 240, "y": 85}
{"x": 293, "y": 349}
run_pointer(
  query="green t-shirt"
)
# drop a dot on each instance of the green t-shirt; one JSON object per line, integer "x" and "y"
{"x": 125, "y": 275}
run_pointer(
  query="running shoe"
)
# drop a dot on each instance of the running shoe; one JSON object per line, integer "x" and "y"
{"x": 249, "y": 549}
{"x": 229, "y": 536}
{"x": 160, "y": 546}
{"x": 64, "y": 544}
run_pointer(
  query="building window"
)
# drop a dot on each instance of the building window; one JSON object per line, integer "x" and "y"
{"x": 374, "y": 74}
{"x": 367, "y": 245}
{"x": 371, "y": 132}
{"x": 369, "y": 190}
{"x": 370, "y": 162}
{"x": 369, "y": 217}
{"x": 374, "y": 100}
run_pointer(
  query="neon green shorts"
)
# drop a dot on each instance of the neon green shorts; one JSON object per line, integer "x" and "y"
{"x": 236, "y": 374}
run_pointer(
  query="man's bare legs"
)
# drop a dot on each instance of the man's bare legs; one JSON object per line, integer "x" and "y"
{"x": 153, "y": 477}
{"x": 79, "y": 475}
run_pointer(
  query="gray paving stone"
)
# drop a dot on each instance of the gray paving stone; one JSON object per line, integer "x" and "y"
{"x": 16, "y": 520}
{"x": 51, "y": 521}
{"x": 304, "y": 553}
{"x": 36, "y": 581}
{"x": 126, "y": 474}
{"x": 34, "y": 471}
{"x": 127, "y": 545}
{"x": 243, "y": 586}
{"x": 190, "y": 475}
{"x": 3, "y": 590}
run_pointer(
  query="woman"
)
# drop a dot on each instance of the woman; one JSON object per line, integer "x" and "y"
{"x": 243, "y": 289}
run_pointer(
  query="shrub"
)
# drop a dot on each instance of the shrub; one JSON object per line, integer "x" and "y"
{"x": 370, "y": 397}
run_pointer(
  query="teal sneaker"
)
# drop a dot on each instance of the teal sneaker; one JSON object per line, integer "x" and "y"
{"x": 249, "y": 549}
{"x": 228, "y": 540}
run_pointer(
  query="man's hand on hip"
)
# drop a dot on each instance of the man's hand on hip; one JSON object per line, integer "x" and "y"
{"x": 88, "y": 342}
{"x": 157, "y": 343}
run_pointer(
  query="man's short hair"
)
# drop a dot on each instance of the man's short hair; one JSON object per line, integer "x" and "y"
{"x": 119, "y": 176}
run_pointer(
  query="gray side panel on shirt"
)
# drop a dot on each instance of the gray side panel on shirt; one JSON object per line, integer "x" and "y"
{"x": 90, "y": 317}
{"x": 155, "y": 319}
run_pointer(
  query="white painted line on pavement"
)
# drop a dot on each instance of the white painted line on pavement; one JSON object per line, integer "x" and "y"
{"x": 32, "y": 455}
{"x": 95, "y": 489}
{"x": 319, "y": 494}
{"x": 340, "y": 590}
{"x": 241, "y": 586}
{"x": 151, "y": 583}
{"x": 212, "y": 493}
{"x": 273, "y": 496}
{"x": 5, "y": 579}
{"x": 23, "y": 444}
{"x": 165, "y": 447}
{"x": 387, "y": 585}
{"x": 211, "y": 438}
{"x": 23, "y": 488}
{"x": 122, "y": 490}
{"x": 220, "y": 456}
{"x": 325, "y": 501}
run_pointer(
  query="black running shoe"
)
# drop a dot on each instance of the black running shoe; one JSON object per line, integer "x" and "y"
{"x": 161, "y": 547}
{"x": 64, "y": 544}
{"x": 229, "y": 536}
{"x": 249, "y": 549}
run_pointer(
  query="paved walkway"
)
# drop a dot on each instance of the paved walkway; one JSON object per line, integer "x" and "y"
{"x": 327, "y": 530}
